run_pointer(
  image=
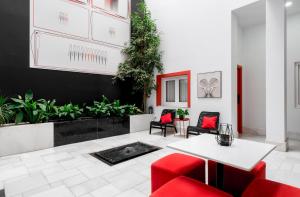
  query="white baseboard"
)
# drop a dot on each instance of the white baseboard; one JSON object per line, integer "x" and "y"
{"x": 255, "y": 131}
{"x": 282, "y": 147}
{"x": 293, "y": 135}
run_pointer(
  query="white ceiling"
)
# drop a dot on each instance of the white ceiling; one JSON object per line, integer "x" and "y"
{"x": 255, "y": 13}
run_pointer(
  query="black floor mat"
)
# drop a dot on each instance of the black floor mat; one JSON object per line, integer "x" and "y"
{"x": 123, "y": 153}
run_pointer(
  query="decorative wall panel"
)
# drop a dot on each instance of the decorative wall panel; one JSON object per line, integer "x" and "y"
{"x": 107, "y": 29}
{"x": 75, "y": 35}
{"x": 74, "y": 55}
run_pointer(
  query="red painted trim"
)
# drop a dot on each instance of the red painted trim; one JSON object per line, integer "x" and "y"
{"x": 240, "y": 97}
{"x": 168, "y": 75}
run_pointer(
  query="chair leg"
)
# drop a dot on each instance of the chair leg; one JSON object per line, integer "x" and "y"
{"x": 150, "y": 129}
{"x": 175, "y": 129}
{"x": 165, "y": 131}
{"x": 187, "y": 135}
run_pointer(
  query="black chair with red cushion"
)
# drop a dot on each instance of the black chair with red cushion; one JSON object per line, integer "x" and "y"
{"x": 208, "y": 122}
{"x": 166, "y": 120}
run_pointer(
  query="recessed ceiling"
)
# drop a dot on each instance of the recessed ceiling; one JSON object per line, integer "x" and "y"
{"x": 255, "y": 13}
{"x": 251, "y": 14}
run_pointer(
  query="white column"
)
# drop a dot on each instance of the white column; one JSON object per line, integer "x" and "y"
{"x": 275, "y": 73}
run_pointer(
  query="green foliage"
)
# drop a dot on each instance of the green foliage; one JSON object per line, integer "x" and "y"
{"x": 100, "y": 108}
{"x": 29, "y": 110}
{"x": 48, "y": 108}
{"x": 6, "y": 113}
{"x": 182, "y": 113}
{"x": 104, "y": 108}
{"x": 69, "y": 112}
{"x": 142, "y": 55}
{"x": 132, "y": 110}
{"x": 117, "y": 109}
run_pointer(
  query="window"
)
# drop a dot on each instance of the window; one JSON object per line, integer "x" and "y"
{"x": 170, "y": 91}
{"x": 175, "y": 91}
{"x": 297, "y": 84}
{"x": 183, "y": 90}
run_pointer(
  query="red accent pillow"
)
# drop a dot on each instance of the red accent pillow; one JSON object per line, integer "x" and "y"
{"x": 167, "y": 118}
{"x": 209, "y": 122}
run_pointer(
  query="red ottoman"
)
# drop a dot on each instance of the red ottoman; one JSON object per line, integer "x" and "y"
{"x": 174, "y": 165}
{"x": 263, "y": 187}
{"x": 235, "y": 180}
{"x": 187, "y": 187}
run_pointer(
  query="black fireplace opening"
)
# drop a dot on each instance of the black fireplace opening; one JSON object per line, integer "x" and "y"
{"x": 123, "y": 153}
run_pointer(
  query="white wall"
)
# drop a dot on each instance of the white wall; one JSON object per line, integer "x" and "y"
{"x": 196, "y": 36}
{"x": 293, "y": 55}
{"x": 253, "y": 59}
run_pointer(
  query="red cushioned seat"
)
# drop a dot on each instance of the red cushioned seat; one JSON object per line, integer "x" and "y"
{"x": 187, "y": 187}
{"x": 175, "y": 165}
{"x": 263, "y": 187}
{"x": 236, "y": 180}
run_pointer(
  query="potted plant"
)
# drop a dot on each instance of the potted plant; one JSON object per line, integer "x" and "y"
{"x": 182, "y": 113}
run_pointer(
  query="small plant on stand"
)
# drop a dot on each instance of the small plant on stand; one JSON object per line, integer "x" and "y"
{"x": 182, "y": 113}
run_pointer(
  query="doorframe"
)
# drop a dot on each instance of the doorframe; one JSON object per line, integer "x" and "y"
{"x": 240, "y": 99}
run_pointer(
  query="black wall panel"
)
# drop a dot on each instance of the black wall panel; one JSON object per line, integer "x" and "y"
{"x": 16, "y": 77}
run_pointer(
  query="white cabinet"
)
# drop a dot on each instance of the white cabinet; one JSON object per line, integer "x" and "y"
{"x": 61, "y": 16}
{"x": 110, "y": 30}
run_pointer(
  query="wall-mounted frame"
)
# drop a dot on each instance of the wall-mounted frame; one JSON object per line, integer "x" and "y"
{"x": 297, "y": 85}
{"x": 209, "y": 85}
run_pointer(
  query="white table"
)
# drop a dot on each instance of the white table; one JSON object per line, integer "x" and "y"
{"x": 242, "y": 154}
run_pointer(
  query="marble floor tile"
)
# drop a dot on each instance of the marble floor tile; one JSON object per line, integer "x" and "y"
{"x": 61, "y": 191}
{"x": 131, "y": 193}
{"x": 107, "y": 191}
{"x": 62, "y": 175}
{"x": 88, "y": 186}
{"x": 70, "y": 170}
{"x": 25, "y": 184}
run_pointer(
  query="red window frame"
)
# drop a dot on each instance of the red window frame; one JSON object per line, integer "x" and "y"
{"x": 168, "y": 75}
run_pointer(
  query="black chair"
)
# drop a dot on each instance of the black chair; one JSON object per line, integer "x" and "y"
{"x": 163, "y": 127}
{"x": 197, "y": 130}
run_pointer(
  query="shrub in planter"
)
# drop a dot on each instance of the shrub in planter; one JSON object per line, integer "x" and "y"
{"x": 100, "y": 108}
{"x": 69, "y": 112}
{"x": 6, "y": 113}
{"x": 29, "y": 110}
{"x": 132, "y": 110}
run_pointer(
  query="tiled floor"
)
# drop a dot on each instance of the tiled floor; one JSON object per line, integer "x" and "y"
{"x": 68, "y": 171}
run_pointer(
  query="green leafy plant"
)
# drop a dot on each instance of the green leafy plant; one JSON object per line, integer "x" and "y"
{"x": 117, "y": 109}
{"x": 69, "y": 112}
{"x": 132, "y": 110}
{"x": 6, "y": 113}
{"x": 49, "y": 109}
{"x": 142, "y": 55}
{"x": 100, "y": 108}
{"x": 27, "y": 109}
{"x": 182, "y": 113}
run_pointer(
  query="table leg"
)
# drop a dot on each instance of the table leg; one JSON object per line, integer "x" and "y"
{"x": 220, "y": 176}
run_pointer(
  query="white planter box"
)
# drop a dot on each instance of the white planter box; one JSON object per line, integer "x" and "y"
{"x": 140, "y": 122}
{"x": 26, "y": 138}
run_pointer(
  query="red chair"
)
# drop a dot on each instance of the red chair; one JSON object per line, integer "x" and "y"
{"x": 187, "y": 187}
{"x": 235, "y": 180}
{"x": 175, "y": 165}
{"x": 263, "y": 187}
